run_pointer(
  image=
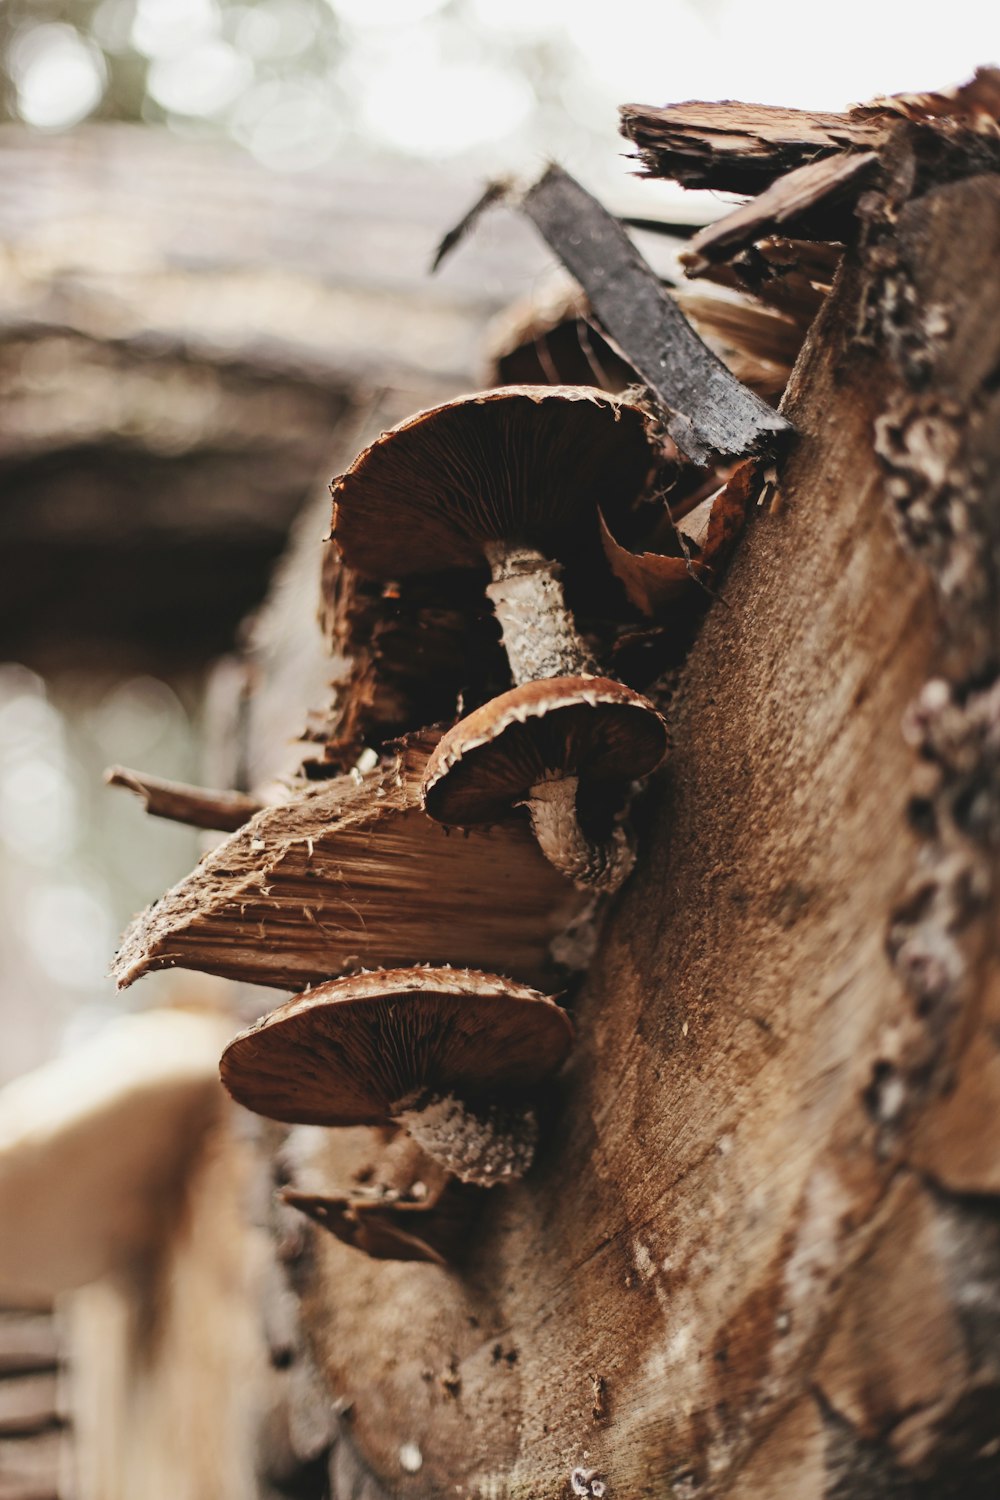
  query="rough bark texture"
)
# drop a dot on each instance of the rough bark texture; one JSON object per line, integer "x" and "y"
{"x": 740, "y": 148}
{"x": 760, "y": 1252}
{"x": 353, "y": 875}
{"x": 808, "y": 199}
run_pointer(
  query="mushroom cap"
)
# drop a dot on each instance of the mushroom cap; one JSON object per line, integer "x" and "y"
{"x": 351, "y": 1051}
{"x": 522, "y": 464}
{"x": 590, "y": 727}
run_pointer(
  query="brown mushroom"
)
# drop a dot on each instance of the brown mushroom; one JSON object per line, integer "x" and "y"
{"x": 511, "y": 476}
{"x": 536, "y": 746}
{"x": 431, "y": 1049}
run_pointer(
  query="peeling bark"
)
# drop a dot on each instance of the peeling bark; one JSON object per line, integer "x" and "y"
{"x": 739, "y": 148}
{"x": 707, "y": 412}
{"x": 352, "y": 875}
{"x": 759, "y": 1253}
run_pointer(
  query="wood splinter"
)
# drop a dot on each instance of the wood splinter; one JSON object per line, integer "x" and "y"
{"x": 196, "y": 806}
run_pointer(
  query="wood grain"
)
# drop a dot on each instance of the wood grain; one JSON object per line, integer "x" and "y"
{"x": 720, "y": 1230}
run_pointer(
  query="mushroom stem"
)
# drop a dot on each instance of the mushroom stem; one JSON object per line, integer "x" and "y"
{"x": 539, "y": 633}
{"x": 484, "y": 1147}
{"x": 591, "y": 866}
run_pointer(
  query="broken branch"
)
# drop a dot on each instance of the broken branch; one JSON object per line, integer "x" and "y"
{"x": 194, "y": 805}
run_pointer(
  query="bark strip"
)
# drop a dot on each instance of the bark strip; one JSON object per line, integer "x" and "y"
{"x": 708, "y": 411}
{"x": 736, "y": 147}
{"x": 817, "y": 199}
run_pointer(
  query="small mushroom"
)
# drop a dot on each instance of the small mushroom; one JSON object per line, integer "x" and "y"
{"x": 512, "y": 476}
{"x": 536, "y": 746}
{"x": 429, "y": 1048}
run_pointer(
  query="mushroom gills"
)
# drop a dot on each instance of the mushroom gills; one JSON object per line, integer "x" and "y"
{"x": 450, "y": 1055}
{"x": 536, "y": 746}
{"x": 592, "y": 865}
{"x": 539, "y": 633}
{"x": 478, "y": 1144}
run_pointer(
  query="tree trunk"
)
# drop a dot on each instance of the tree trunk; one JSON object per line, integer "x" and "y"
{"x": 760, "y": 1252}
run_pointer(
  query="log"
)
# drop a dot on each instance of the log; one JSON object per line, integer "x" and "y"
{"x": 759, "y": 1253}
{"x": 773, "y": 1121}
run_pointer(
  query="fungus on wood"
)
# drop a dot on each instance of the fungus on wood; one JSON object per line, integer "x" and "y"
{"x": 449, "y": 1054}
{"x": 537, "y": 746}
{"x": 512, "y": 477}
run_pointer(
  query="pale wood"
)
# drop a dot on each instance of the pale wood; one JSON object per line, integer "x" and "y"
{"x": 759, "y": 1255}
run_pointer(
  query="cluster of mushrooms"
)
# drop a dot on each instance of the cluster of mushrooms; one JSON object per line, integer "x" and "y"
{"x": 438, "y": 877}
{"x": 505, "y": 481}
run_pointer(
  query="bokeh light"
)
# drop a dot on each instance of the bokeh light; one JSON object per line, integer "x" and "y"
{"x": 59, "y": 75}
{"x": 496, "y": 84}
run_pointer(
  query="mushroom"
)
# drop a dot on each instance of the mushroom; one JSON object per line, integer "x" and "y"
{"x": 536, "y": 746}
{"x": 512, "y": 476}
{"x": 428, "y": 1048}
